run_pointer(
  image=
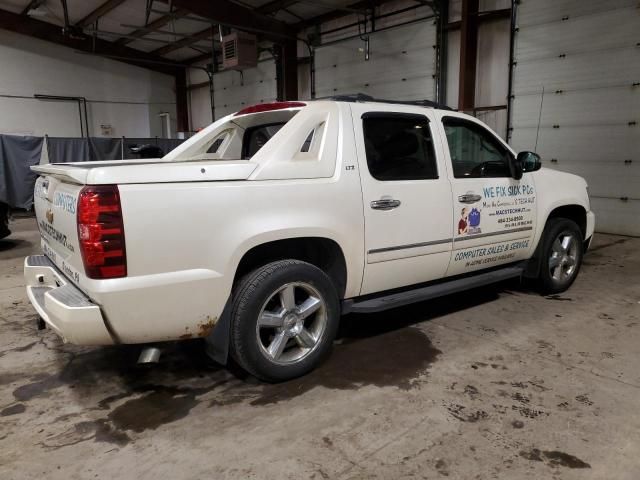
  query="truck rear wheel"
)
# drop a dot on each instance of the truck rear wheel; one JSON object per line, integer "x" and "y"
{"x": 562, "y": 253}
{"x": 284, "y": 319}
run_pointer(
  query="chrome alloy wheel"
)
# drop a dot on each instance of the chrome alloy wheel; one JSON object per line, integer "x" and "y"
{"x": 563, "y": 258}
{"x": 291, "y": 323}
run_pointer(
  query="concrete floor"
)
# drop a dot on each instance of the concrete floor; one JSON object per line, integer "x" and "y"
{"x": 495, "y": 383}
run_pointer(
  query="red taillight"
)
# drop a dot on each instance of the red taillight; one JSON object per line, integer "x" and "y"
{"x": 267, "y": 107}
{"x": 101, "y": 232}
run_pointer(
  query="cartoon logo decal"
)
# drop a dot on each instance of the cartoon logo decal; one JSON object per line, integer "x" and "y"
{"x": 469, "y": 223}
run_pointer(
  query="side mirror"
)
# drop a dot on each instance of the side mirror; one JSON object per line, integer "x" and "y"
{"x": 516, "y": 167}
{"x": 529, "y": 161}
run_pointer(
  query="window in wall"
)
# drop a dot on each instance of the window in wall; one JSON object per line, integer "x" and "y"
{"x": 399, "y": 146}
{"x": 475, "y": 152}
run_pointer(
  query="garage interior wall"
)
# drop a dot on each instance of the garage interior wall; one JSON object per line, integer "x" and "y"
{"x": 128, "y": 98}
{"x": 233, "y": 90}
{"x": 492, "y": 65}
{"x": 402, "y": 60}
{"x": 578, "y": 70}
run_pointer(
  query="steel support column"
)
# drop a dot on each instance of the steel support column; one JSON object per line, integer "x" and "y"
{"x": 182, "y": 101}
{"x": 287, "y": 70}
{"x": 468, "y": 55}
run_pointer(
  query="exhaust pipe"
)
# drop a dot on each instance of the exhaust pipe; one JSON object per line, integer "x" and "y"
{"x": 149, "y": 355}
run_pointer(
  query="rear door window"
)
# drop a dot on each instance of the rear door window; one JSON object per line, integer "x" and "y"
{"x": 399, "y": 146}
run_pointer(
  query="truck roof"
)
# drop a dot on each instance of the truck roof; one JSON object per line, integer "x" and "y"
{"x": 363, "y": 98}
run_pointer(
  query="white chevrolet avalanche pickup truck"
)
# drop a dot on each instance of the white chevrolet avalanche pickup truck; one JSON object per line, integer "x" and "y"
{"x": 260, "y": 231}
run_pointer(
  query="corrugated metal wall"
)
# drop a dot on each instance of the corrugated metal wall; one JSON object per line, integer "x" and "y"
{"x": 584, "y": 54}
{"x": 401, "y": 65}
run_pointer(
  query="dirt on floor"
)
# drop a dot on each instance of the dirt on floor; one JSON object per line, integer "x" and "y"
{"x": 498, "y": 382}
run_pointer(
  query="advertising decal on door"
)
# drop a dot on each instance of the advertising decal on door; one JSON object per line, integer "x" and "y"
{"x": 501, "y": 211}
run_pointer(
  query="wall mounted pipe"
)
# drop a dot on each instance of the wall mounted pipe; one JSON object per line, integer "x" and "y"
{"x": 512, "y": 42}
{"x": 82, "y": 103}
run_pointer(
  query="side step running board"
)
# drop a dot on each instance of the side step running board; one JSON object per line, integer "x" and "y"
{"x": 399, "y": 299}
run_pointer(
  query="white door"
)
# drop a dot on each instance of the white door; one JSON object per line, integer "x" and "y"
{"x": 494, "y": 214}
{"x": 576, "y": 99}
{"x": 401, "y": 64}
{"x": 407, "y": 196}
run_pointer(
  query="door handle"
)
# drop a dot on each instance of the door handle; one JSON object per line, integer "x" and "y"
{"x": 469, "y": 198}
{"x": 385, "y": 204}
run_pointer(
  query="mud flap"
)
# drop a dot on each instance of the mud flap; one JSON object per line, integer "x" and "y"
{"x": 217, "y": 342}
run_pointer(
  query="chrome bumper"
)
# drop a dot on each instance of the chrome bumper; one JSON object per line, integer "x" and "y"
{"x": 63, "y": 307}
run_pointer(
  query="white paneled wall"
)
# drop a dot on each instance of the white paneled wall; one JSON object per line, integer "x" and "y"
{"x": 577, "y": 62}
{"x": 126, "y": 97}
{"x": 233, "y": 90}
{"x": 236, "y": 90}
{"x": 492, "y": 67}
{"x": 401, "y": 64}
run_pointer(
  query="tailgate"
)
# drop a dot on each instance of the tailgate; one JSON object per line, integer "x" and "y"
{"x": 55, "y": 203}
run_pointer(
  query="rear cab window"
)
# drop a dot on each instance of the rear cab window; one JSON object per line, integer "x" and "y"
{"x": 240, "y": 137}
{"x": 256, "y": 137}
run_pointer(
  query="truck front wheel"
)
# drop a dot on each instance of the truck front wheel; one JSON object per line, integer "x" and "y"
{"x": 284, "y": 319}
{"x": 562, "y": 253}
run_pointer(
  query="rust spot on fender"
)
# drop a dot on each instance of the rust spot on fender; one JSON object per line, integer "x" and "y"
{"x": 205, "y": 329}
{"x": 186, "y": 335}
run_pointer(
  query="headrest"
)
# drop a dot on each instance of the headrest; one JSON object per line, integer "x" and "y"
{"x": 402, "y": 144}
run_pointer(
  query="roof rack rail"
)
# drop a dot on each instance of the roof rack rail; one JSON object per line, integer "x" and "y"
{"x": 361, "y": 97}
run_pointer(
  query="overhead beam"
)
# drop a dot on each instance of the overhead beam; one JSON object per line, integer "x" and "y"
{"x": 154, "y": 25}
{"x": 238, "y": 16}
{"x": 275, "y": 6}
{"x": 52, "y": 33}
{"x": 501, "y": 14}
{"x": 185, "y": 42}
{"x": 199, "y": 58}
{"x": 32, "y": 4}
{"x": 103, "y": 9}
{"x": 468, "y": 55}
{"x": 339, "y": 13}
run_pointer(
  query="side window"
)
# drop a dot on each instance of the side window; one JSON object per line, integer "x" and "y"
{"x": 399, "y": 146}
{"x": 474, "y": 151}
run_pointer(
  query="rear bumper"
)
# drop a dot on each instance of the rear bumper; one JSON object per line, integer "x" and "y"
{"x": 64, "y": 308}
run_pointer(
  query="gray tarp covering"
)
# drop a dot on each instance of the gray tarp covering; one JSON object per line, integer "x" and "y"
{"x": 106, "y": 148}
{"x": 65, "y": 150}
{"x": 166, "y": 144}
{"x": 17, "y": 154}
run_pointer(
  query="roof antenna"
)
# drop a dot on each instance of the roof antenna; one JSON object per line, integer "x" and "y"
{"x": 539, "y": 119}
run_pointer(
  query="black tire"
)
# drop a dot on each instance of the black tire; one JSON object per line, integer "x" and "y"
{"x": 558, "y": 278}
{"x": 252, "y": 296}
